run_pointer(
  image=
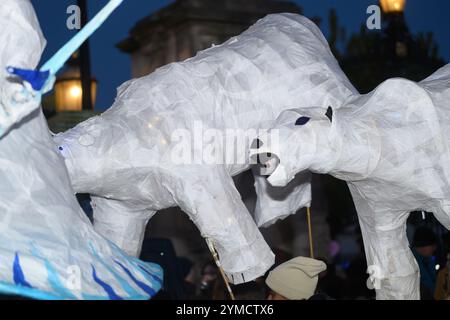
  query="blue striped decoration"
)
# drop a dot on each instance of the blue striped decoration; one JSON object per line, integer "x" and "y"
{"x": 108, "y": 289}
{"x": 19, "y": 277}
{"x": 125, "y": 285}
{"x": 52, "y": 275}
{"x": 145, "y": 268}
{"x": 140, "y": 284}
{"x": 155, "y": 278}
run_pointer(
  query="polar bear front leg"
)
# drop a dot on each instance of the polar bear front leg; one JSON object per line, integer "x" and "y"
{"x": 392, "y": 270}
{"x": 121, "y": 223}
{"x": 208, "y": 195}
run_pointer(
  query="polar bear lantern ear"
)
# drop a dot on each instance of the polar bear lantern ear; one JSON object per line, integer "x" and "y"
{"x": 329, "y": 114}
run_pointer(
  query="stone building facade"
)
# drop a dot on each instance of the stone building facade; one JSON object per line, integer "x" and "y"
{"x": 180, "y": 30}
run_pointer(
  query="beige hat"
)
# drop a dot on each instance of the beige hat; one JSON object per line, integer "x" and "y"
{"x": 297, "y": 278}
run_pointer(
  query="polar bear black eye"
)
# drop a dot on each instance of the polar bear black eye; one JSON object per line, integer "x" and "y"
{"x": 302, "y": 121}
{"x": 63, "y": 150}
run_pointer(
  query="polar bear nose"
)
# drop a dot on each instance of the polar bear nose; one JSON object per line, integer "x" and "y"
{"x": 262, "y": 156}
{"x": 270, "y": 163}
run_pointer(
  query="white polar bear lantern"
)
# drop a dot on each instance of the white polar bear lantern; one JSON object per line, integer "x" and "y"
{"x": 392, "y": 147}
{"x": 48, "y": 247}
{"x": 124, "y": 158}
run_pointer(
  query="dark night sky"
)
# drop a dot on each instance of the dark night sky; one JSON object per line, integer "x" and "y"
{"x": 111, "y": 67}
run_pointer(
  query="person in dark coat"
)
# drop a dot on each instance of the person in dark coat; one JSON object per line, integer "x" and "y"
{"x": 443, "y": 279}
{"x": 424, "y": 247}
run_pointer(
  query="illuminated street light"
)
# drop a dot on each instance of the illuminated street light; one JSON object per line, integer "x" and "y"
{"x": 393, "y": 6}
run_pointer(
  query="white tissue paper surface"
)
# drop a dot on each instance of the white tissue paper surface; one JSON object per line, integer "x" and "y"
{"x": 48, "y": 247}
{"x": 19, "y": 28}
{"x": 133, "y": 157}
{"x": 392, "y": 147}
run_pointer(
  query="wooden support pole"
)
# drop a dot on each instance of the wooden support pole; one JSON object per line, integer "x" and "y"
{"x": 310, "y": 236}
{"x": 222, "y": 273}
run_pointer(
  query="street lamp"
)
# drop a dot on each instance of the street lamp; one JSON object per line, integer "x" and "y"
{"x": 393, "y": 6}
{"x": 69, "y": 88}
{"x": 397, "y": 32}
